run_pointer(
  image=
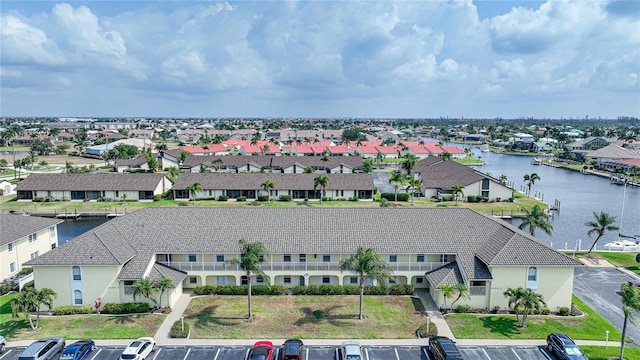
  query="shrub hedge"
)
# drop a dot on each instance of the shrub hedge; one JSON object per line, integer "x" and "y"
{"x": 5, "y": 287}
{"x": 392, "y": 196}
{"x": 263, "y": 198}
{"x": 423, "y": 333}
{"x": 285, "y": 198}
{"x": 304, "y": 290}
{"x": 126, "y": 308}
{"x": 241, "y": 198}
{"x": 240, "y": 290}
{"x": 177, "y": 332}
{"x": 73, "y": 310}
{"x": 223, "y": 198}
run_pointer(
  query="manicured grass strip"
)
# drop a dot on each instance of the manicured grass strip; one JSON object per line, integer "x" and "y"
{"x": 602, "y": 353}
{"x": 307, "y": 317}
{"x": 589, "y": 327}
{"x": 626, "y": 260}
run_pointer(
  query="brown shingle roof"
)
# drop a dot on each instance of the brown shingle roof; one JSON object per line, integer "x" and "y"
{"x": 443, "y": 174}
{"x": 91, "y": 182}
{"x": 16, "y": 226}
{"x": 252, "y": 181}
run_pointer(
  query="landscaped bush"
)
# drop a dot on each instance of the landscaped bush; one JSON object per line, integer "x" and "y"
{"x": 326, "y": 198}
{"x": 28, "y": 285}
{"x": 564, "y": 311}
{"x": 392, "y": 196}
{"x": 223, "y": 198}
{"x": 241, "y": 198}
{"x": 543, "y": 311}
{"x": 254, "y": 203}
{"x": 177, "y": 332}
{"x": 263, "y": 198}
{"x": 355, "y": 198}
{"x": 402, "y": 289}
{"x": 5, "y": 287}
{"x": 423, "y": 333}
{"x": 38, "y": 199}
{"x": 240, "y": 290}
{"x": 157, "y": 197}
{"x": 285, "y": 198}
{"x": 471, "y": 198}
{"x": 25, "y": 271}
{"x": 384, "y": 203}
{"x": 73, "y": 310}
{"x": 126, "y": 308}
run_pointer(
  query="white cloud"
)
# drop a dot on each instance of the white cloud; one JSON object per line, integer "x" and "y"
{"x": 25, "y": 44}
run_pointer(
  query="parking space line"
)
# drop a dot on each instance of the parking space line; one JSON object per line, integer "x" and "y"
{"x": 217, "y": 353}
{"x": 544, "y": 353}
{"x": 157, "y": 353}
{"x": 246, "y": 356}
{"x": 306, "y": 356}
{"x": 515, "y": 353}
{"x": 187, "y": 354}
{"x": 337, "y": 354}
{"x": 396, "y": 351}
{"x": 94, "y": 355}
{"x": 425, "y": 353}
{"x": 6, "y": 353}
{"x": 485, "y": 353}
{"x": 366, "y": 352}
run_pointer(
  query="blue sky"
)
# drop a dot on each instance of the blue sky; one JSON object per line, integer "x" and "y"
{"x": 472, "y": 59}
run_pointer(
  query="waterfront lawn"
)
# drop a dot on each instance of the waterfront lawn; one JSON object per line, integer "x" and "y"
{"x": 470, "y": 160}
{"x": 602, "y": 353}
{"x": 306, "y": 317}
{"x": 589, "y": 327}
{"x": 626, "y": 260}
{"x": 83, "y": 327}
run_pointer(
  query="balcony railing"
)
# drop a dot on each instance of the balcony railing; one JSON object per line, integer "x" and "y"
{"x": 477, "y": 290}
{"x": 294, "y": 266}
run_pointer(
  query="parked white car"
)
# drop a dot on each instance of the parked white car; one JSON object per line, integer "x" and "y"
{"x": 351, "y": 350}
{"x": 139, "y": 349}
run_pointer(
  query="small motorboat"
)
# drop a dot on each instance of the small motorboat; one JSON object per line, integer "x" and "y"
{"x": 622, "y": 245}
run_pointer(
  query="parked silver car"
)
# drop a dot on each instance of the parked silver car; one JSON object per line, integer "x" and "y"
{"x": 351, "y": 350}
{"x": 3, "y": 343}
{"x": 44, "y": 349}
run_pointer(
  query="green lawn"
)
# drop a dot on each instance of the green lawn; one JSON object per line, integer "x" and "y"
{"x": 625, "y": 260}
{"x": 470, "y": 160}
{"x": 589, "y": 327}
{"x": 307, "y": 317}
{"x": 602, "y": 353}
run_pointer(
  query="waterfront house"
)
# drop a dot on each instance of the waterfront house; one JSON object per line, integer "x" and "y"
{"x": 137, "y": 164}
{"x": 23, "y": 238}
{"x": 193, "y": 246}
{"x": 92, "y": 187}
{"x": 297, "y": 186}
{"x": 271, "y": 164}
{"x": 438, "y": 177}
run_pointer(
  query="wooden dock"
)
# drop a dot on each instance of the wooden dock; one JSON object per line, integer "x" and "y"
{"x": 74, "y": 216}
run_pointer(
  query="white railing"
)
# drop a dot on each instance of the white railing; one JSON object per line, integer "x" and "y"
{"x": 294, "y": 266}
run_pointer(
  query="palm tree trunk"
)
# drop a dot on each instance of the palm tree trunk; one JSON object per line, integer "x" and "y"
{"x": 593, "y": 245}
{"x": 360, "y": 315}
{"x": 624, "y": 332}
{"x": 396, "y": 192}
{"x": 249, "y": 294}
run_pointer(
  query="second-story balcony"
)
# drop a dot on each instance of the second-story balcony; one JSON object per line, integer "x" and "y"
{"x": 294, "y": 266}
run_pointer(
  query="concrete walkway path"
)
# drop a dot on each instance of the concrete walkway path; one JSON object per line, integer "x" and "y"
{"x": 162, "y": 335}
{"x": 434, "y": 314}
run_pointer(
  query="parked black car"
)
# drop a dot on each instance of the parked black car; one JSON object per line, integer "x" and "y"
{"x": 565, "y": 348}
{"x": 443, "y": 348}
{"x": 292, "y": 350}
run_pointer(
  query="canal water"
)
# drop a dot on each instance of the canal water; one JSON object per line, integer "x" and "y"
{"x": 579, "y": 196}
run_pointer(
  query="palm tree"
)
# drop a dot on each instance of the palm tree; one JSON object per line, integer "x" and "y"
{"x": 457, "y": 191}
{"x": 523, "y": 301}
{"x": 530, "y": 179}
{"x": 409, "y": 162}
{"x": 144, "y": 288}
{"x": 630, "y": 305}
{"x": 462, "y": 290}
{"x": 251, "y": 256}
{"x": 366, "y": 263}
{"x": 600, "y": 224}
{"x": 173, "y": 172}
{"x": 321, "y": 181}
{"x": 31, "y": 300}
{"x": 396, "y": 177}
{"x": 193, "y": 189}
{"x": 503, "y": 178}
{"x": 379, "y": 157}
{"x": 267, "y": 185}
{"x": 163, "y": 284}
{"x": 447, "y": 292}
{"x": 415, "y": 185}
{"x": 536, "y": 218}
{"x": 446, "y": 155}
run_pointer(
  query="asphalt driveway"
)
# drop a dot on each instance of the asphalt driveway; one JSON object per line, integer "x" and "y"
{"x": 600, "y": 289}
{"x": 381, "y": 181}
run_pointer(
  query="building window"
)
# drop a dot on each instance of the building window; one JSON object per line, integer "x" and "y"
{"x": 420, "y": 258}
{"x": 485, "y": 184}
{"x": 12, "y": 267}
{"x": 303, "y": 258}
{"x": 393, "y": 258}
{"x": 444, "y": 258}
{"x": 128, "y": 287}
{"x": 286, "y": 280}
{"x": 259, "y": 280}
{"x": 326, "y": 258}
{"x": 33, "y": 237}
{"x": 52, "y": 231}
{"x": 532, "y": 274}
{"x": 286, "y": 257}
{"x": 76, "y": 273}
{"x": 77, "y": 297}
{"x": 34, "y": 255}
{"x": 10, "y": 247}
{"x": 326, "y": 279}
{"x": 485, "y": 194}
{"x": 220, "y": 258}
{"x": 419, "y": 280}
{"x": 353, "y": 280}
{"x": 221, "y": 280}
{"x": 192, "y": 258}
{"x": 193, "y": 279}
{"x": 53, "y": 246}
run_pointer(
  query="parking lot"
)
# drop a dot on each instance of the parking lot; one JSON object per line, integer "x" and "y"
{"x": 314, "y": 353}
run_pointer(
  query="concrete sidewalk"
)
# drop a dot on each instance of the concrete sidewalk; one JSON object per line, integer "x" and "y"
{"x": 162, "y": 335}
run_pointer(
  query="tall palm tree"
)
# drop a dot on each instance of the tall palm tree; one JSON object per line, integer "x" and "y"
{"x": 322, "y": 181}
{"x": 536, "y": 218}
{"x": 251, "y": 256}
{"x": 173, "y": 172}
{"x": 447, "y": 292}
{"x": 523, "y": 301}
{"x": 366, "y": 263}
{"x": 409, "y": 162}
{"x": 193, "y": 189}
{"x": 267, "y": 185}
{"x": 600, "y": 224}
{"x": 163, "y": 285}
{"x": 144, "y": 288}
{"x": 457, "y": 191}
{"x": 396, "y": 177}
{"x": 503, "y": 178}
{"x": 415, "y": 185}
{"x": 31, "y": 300}
{"x": 462, "y": 290}
{"x": 446, "y": 155}
{"x": 530, "y": 179}
{"x": 630, "y": 305}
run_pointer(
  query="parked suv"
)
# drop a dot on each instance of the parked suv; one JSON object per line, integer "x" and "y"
{"x": 3, "y": 343}
{"x": 292, "y": 349}
{"x": 44, "y": 349}
{"x": 443, "y": 348}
